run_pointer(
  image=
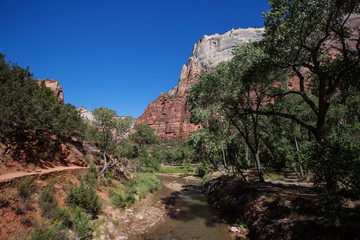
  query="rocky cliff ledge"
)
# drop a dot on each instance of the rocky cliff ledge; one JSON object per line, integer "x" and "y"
{"x": 168, "y": 115}
{"x": 55, "y": 86}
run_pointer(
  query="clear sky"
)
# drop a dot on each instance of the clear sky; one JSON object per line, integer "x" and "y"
{"x": 116, "y": 53}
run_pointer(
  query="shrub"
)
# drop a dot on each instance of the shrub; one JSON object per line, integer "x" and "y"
{"x": 62, "y": 215}
{"x": 203, "y": 170}
{"x": 121, "y": 199}
{"x": 24, "y": 188}
{"x": 335, "y": 164}
{"x": 45, "y": 231}
{"x": 90, "y": 177}
{"x": 47, "y": 202}
{"x": 81, "y": 222}
{"x": 84, "y": 197}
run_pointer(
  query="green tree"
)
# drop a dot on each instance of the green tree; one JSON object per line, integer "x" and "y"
{"x": 211, "y": 102}
{"x": 33, "y": 123}
{"x": 313, "y": 39}
{"x": 144, "y": 136}
{"x": 111, "y": 129}
{"x": 145, "y": 141}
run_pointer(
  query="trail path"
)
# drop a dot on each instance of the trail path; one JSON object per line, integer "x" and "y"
{"x": 13, "y": 175}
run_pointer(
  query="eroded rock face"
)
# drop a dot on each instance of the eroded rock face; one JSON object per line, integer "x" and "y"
{"x": 168, "y": 115}
{"x": 55, "y": 86}
{"x": 86, "y": 114}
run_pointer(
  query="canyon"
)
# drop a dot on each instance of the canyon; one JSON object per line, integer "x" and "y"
{"x": 168, "y": 114}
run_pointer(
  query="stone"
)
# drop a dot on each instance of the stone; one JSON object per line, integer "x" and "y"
{"x": 121, "y": 238}
{"x": 55, "y": 86}
{"x": 110, "y": 227}
{"x": 234, "y": 229}
{"x": 169, "y": 115}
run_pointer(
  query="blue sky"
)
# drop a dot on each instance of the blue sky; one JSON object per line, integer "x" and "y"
{"x": 118, "y": 54}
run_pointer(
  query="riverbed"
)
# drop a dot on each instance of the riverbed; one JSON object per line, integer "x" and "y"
{"x": 188, "y": 214}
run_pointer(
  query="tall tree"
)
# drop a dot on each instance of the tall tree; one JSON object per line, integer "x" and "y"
{"x": 315, "y": 39}
{"x": 111, "y": 128}
{"x": 235, "y": 91}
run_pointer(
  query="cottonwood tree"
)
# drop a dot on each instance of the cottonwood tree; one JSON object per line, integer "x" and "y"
{"x": 235, "y": 91}
{"x": 315, "y": 40}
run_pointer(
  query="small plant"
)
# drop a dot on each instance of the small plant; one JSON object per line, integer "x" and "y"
{"x": 120, "y": 199}
{"x": 81, "y": 223}
{"x": 84, "y": 195}
{"x": 43, "y": 231}
{"x": 47, "y": 202}
{"x": 89, "y": 158}
{"x": 62, "y": 215}
{"x": 203, "y": 170}
{"x": 24, "y": 188}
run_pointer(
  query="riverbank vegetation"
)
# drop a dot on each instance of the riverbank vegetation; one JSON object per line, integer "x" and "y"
{"x": 289, "y": 100}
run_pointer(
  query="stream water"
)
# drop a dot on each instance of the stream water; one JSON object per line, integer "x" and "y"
{"x": 189, "y": 215}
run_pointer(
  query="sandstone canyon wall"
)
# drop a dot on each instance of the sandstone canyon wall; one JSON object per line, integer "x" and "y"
{"x": 168, "y": 115}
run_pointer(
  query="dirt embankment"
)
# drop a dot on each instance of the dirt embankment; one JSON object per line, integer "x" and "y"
{"x": 273, "y": 210}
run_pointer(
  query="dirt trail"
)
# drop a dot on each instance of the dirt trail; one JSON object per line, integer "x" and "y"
{"x": 13, "y": 175}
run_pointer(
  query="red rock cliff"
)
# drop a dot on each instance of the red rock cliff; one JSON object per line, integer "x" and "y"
{"x": 55, "y": 86}
{"x": 168, "y": 115}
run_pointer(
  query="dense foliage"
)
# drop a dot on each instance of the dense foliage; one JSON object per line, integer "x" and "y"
{"x": 33, "y": 122}
{"x": 312, "y": 124}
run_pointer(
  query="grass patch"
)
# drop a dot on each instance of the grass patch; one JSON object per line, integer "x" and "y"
{"x": 175, "y": 169}
{"x": 134, "y": 189}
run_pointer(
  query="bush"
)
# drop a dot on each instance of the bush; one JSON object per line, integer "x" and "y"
{"x": 335, "y": 164}
{"x": 47, "y": 202}
{"x": 81, "y": 223}
{"x": 45, "y": 231}
{"x": 24, "y": 188}
{"x": 121, "y": 199}
{"x": 203, "y": 170}
{"x": 62, "y": 216}
{"x": 84, "y": 197}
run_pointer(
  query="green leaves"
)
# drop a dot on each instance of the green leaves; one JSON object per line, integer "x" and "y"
{"x": 31, "y": 118}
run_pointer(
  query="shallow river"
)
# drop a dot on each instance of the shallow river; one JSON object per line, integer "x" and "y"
{"x": 189, "y": 216}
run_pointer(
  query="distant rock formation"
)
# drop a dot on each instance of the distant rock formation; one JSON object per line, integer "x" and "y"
{"x": 168, "y": 115}
{"x": 55, "y": 86}
{"x": 86, "y": 114}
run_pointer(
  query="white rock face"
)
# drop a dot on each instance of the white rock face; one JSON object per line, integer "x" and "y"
{"x": 86, "y": 114}
{"x": 210, "y": 51}
{"x": 213, "y": 49}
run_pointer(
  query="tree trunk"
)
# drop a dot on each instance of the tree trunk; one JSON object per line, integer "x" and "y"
{"x": 247, "y": 154}
{"x": 105, "y": 165}
{"x": 299, "y": 162}
{"x": 258, "y": 166}
{"x": 224, "y": 156}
